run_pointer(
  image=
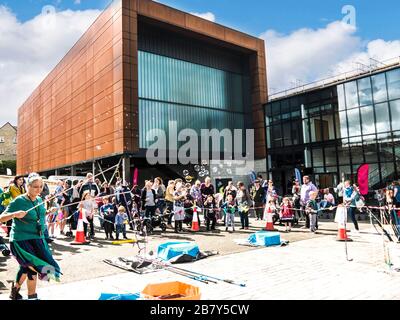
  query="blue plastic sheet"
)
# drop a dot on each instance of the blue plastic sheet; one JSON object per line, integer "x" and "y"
{"x": 171, "y": 250}
{"x": 116, "y": 296}
{"x": 263, "y": 238}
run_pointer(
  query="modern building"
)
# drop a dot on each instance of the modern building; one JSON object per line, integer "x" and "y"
{"x": 8, "y": 142}
{"x": 140, "y": 65}
{"x": 330, "y": 130}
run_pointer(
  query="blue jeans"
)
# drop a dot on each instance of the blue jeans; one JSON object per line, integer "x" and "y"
{"x": 352, "y": 213}
{"x": 121, "y": 228}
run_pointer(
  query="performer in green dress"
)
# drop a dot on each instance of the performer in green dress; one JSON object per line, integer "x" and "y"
{"x": 27, "y": 241}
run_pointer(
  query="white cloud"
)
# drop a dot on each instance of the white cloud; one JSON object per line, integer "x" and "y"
{"x": 30, "y": 50}
{"x": 207, "y": 15}
{"x": 312, "y": 54}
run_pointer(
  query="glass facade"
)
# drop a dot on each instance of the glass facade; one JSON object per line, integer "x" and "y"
{"x": 332, "y": 131}
{"x": 195, "y": 85}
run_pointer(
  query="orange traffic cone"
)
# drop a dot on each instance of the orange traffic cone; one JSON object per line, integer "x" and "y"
{"x": 270, "y": 222}
{"x": 80, "y": 233}
{"x": 342, "y": 234}
{"x": 195, "y": 222}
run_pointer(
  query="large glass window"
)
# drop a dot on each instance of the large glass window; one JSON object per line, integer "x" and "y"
{"x": 395, "y": 111}
{"x": 353, "y": 117}
{"x": 351, "y": 94}
{"x": 379, "y": 88}
{"x": 365, "y": 91}
{"x": 367, "y": 120}
{"x": 393, "y": 80}
{"x": 193, "y": 84}
{"x": 382, "y": 117}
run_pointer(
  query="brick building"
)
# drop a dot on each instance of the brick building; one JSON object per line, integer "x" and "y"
{"x": 140, "y": 65}
{"x": 8, "y": 142}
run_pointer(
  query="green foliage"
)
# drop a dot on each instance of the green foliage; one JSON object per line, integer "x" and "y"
{"x": 10, "y": 164}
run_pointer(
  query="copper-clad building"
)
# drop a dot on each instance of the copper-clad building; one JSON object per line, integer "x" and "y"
{"x": 139, "y": 65}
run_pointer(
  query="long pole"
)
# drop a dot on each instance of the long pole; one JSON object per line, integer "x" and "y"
{"x": 199, "y": 274}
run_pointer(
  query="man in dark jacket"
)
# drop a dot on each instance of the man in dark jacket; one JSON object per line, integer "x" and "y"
{"x": 89, "y": 185}
{"x": 259, "y": 197}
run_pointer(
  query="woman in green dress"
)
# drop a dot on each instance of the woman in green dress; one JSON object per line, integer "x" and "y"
{"x": 27, "y": 241}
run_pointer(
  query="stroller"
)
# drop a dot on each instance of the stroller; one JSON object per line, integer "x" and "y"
{"x": 141, "y": 222}
{"x": 4, "y": 248}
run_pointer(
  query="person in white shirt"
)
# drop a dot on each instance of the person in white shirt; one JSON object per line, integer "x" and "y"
{"x": 329, "y": 200}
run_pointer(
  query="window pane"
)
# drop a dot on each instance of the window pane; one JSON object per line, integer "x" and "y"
{"x": 342, "y": 125}
{"x": 330, "y": 156}
{"x": 341, "y": 97}
{"x": 275, "y": 108}
{"x": 393, "y": 79}
{"x": 351, "y": 94}
{"x": 354, "y": 122}
{"x": 379, "y": 88}
{"x": 357, "y": 153}
{"x": 368, "y": 121}
{"x": 285, "y": 107}
{"x": 276, "y": 136}
{"x": 344, "y": 153}
{"x": 395, "y": 110}
{"x": 287, "y": 139}
{"x": 382, "y": 117}
{"x": 297, "y": 132}
{"x": 371, "y": 153}
{"x": 318, "y": 158}
{"x": 365, "y": 91}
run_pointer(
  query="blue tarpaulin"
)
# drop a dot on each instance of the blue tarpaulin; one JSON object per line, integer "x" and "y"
{"x": 117, "y": 296}
{"x": 171, "y": 250}
{"x": 263, "y": 238}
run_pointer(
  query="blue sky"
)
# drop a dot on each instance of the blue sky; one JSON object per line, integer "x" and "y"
{"x": 305, "y": 40}
{"x": 375, "y": 19}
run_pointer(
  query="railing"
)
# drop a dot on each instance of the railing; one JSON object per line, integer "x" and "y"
{"x": 385, "y": 64}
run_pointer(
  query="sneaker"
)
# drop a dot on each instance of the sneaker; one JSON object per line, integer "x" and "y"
{"x": 169, "y": 226}
{"x": 33, "y": 297}
{"x": 111, "y": 238}
{"x": 241, "y": 229}
{"x": 304, "y": 227}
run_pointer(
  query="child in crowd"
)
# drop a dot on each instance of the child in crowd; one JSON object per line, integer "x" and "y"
{"x": 312, "y": 211}
{"x": 286, "y": 214}
{"x": 107, "y": 213}
{"x": 121, "y": 220}
{"x": 179, "y": 209}
{"x": 230, "y": 207}
{"x": 52, "y": 219}
{"x": 209, "y": 213}
{"x": 270, "y": 208}
{"x": 88, "y": 204}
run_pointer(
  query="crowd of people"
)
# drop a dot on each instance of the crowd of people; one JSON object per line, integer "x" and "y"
{"x": 32, "y": 213}
{"x": 117, "y": 206}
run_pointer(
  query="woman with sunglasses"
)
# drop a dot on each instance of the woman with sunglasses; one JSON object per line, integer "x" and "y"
{"x": 27, "y": 241}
